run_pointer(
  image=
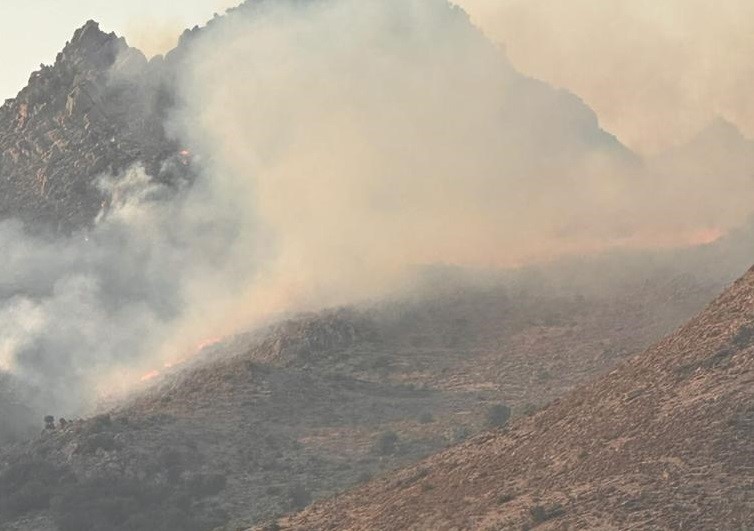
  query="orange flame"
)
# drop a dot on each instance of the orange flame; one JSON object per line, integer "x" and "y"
{"x": 149, "y": 376}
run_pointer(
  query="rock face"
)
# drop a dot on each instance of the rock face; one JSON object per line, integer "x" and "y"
{"x": 98, "y": 109}
{"x": 665, "y": 441}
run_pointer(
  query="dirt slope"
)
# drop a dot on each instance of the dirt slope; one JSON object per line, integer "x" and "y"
{"x": 306, "y": 408}
{"x": 664, "y": 442}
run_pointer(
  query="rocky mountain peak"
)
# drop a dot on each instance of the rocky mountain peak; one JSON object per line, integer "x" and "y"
{"x": 95, "y": 110}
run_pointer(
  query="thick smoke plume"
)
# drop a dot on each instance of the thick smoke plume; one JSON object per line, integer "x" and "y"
{"x": 339, "y": 144}
{"x": 368, "y": 136}
{"x": 656, "y": 71}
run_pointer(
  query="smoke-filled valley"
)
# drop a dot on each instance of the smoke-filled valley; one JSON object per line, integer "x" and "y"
{"x": 316, "y": 241}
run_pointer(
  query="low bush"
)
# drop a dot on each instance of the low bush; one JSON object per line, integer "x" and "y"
{"x": 386, "y": 443}
{"x": 498, "y": 415}
{"x": 298, "y": 496}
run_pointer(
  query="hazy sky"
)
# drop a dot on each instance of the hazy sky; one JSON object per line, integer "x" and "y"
{"x": 655, "y": 71}
{"x": 34, "y": 31}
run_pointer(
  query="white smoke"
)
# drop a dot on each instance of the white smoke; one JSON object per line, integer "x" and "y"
{"x": 95, "y": 309}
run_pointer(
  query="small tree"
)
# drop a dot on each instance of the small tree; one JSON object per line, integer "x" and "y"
{"x": 49, "y": 422}
{"x": 498, "y": 415}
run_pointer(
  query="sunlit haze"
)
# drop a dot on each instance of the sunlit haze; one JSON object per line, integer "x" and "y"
{"x": 34, "y": 31}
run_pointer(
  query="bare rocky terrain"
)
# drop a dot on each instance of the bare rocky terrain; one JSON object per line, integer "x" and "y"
{"x": 98, "y": 109}
{"x": 665, "y": 441}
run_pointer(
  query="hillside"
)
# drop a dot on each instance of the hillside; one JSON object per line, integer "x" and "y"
{"x": 665, "y": 441}
{"x": 265, "y": 422}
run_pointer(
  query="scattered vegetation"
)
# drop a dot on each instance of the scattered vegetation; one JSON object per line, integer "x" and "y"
{"x": 505, "y": 498}
{"x": 110, "y": 502}
{"x": 117, "y": 503}
{"x": 29, "y": 486}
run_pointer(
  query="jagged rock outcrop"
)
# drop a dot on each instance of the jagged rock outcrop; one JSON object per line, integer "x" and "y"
{"x": 99, "y": 108}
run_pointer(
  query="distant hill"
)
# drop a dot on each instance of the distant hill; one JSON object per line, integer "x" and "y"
{"x": 665, "y": 441}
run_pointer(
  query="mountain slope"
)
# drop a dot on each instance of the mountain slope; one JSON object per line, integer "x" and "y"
{"x": 665, "y": 441}
{"x": 306, "y": 408}
{"x": 99, "y": 108}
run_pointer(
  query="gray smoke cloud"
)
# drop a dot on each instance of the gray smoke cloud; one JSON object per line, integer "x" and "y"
{"x": 83, "y": 315}
{"x": 339, "y": 144}
{"x": 372, "y": 135}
